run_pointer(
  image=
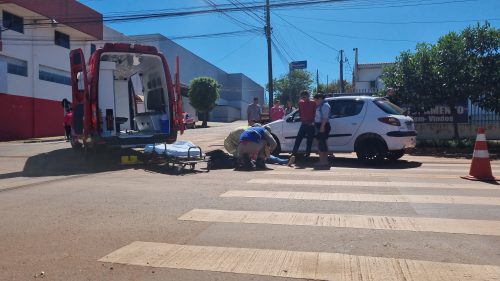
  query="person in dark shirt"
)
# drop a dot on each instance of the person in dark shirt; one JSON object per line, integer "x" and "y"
{"x": 307, "y": 111}
{"x": 390, "y": 95}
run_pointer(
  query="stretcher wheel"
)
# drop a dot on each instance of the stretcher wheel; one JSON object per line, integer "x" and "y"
{"x": 178, "y": 170}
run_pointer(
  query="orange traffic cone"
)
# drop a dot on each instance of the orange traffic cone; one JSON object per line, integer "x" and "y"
{"x": 480, "y": 169}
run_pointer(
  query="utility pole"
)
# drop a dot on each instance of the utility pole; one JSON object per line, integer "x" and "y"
{"x": 341, "y": 71}
{"x": 355, "y": 70}
{"x": 317, "y": 81}
{"x": 327, "y": 84}
{"x": 269, "y": 55}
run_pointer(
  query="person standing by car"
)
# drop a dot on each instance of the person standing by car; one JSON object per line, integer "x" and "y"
{"x": 289, "y": 108}
{"x": 322, "y": 125}
{"x": 254, "y": 112}
{"x": 277, "y": 112}
{"x": 390, "y": 95}
{"x": 307, "y": 109}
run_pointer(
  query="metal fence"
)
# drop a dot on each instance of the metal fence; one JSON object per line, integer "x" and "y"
{"x": 480, "y": 116}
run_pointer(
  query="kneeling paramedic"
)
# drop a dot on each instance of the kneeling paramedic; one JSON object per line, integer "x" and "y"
{"x": 253, "y": 143}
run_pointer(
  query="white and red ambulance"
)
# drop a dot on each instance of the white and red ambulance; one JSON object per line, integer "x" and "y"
{"x": 124, "y": 97}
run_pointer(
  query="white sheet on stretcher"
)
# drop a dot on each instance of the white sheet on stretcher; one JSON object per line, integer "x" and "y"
{"x": 177, "y": 149}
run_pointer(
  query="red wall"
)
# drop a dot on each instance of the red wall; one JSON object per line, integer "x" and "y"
{"x": 25, "y": 117}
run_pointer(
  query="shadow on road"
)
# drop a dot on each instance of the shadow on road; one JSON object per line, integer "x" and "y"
{"x": 68, "y": 162}
{"x": 65, "y": 162}
{"x": 341, "y": 162}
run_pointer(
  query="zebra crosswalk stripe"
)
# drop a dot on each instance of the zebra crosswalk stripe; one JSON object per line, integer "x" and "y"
{"x": 363, "y": 197}
{"x": 417, "y": 224}
{"x": 294, "y": 264}
{"x": 358, "y": 175}
{"x": 333, "y": 182}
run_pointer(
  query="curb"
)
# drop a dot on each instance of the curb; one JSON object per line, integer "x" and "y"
{"x": 44, "y": 140}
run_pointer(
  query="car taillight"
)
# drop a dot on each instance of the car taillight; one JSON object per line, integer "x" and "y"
{"x": 390, "y": 120}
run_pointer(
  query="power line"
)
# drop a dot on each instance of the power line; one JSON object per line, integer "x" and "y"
{"x": 235, "y": 50}
{"x": 364, "y": 38}
{"x": 231, "y": 18}
{"x": 222, "y": 8}
{"x": 280, "y": 54}
{"x": 307, "y": 34}
{"x": 179, "y": 13}
{"x": 365, "y": 7}
{"x": 392, "y": 22}
{"x": 41, "y": 39}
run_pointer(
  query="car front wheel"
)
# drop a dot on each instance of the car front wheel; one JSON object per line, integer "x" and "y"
{"x": 277, "y": 150}
{"x": 371, "y": 151}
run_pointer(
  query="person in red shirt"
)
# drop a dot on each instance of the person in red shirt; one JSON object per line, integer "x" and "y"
{"x": 307, "y": 111}
{"x": 68, "y": 121}
{"x": 277, "y": 112}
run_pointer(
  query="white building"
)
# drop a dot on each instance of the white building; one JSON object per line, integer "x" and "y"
{"x": 237, "y": 90}
{"x": 366, "y": 77}
{"x": 34, "y": 69}
{"x": 35, "y": 42}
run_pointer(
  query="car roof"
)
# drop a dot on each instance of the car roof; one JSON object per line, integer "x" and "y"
{"x": 369, "y": 98}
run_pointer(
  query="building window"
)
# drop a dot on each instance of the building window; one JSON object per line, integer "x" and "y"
{"x": 13, "y": 22}
{"x": 49, "y": 74}
{"x": 15, "y": 66}
{"x": 61, "y": 39}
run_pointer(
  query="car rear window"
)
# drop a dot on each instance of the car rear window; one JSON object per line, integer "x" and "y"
{"x": 388, "y": 107}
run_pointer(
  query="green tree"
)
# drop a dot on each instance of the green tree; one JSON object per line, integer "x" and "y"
{"x": 203, "y": 93}
{"x": 289, "y": 86}
{"x": 459, "y": 66}
{"x": 333, "y": 87}
{"x": 482, "y": 51}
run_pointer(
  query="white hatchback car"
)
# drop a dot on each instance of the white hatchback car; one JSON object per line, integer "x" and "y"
{"x": 372, "y": 127}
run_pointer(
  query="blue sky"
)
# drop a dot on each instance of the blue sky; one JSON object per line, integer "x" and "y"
{"x": 380, "y": 29}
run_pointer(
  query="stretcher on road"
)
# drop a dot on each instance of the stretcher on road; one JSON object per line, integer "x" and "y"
{"x": 179, "y": 156}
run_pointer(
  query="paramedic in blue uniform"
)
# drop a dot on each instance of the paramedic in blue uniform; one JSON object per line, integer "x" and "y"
{"x": 254, "y": 142}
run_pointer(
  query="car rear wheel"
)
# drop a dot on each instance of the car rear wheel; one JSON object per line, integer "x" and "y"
{"x": 371, "y": 151}
{"x": 395, "y": 154}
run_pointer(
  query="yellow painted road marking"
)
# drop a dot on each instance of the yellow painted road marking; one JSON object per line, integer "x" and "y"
{"x": 360, "y": 197}
{"x": 333, "y": 182}
{"x": 477, "y": 227}
{"x": 295, "y": 264}
{"x": 334, "y": 173}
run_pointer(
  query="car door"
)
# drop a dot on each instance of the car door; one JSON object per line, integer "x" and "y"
{"x": 291, "y": 128}
{"x": 80, "y": 100}
{"x": 346, "y": 116}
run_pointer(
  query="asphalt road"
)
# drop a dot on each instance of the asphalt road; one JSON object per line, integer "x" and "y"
{"x": 92, "y": 219}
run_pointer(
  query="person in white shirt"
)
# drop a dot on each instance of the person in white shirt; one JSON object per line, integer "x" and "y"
{"x": 322, "y": 124}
